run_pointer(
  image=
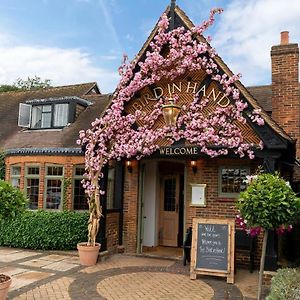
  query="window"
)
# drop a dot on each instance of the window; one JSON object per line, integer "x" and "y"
{"x": 232, "y": 180}
{"x": 32, "y": 182}
{"x": 15, "y": 176}
{"x": 80, "y": 197}
{"x": 46, "y": 116}
{"x": 110, "y": 195}
{"x": 53, "y": 191}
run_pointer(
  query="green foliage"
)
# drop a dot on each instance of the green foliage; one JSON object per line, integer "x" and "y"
{"x": 12, "y": 201}
{"x": 32, "y": 83}
{"x": 2, "y": 165}
{"x": 45, "y": 230}
{"x": 268, "y": 202}
{"x": 285, "y": 285}
{"x": 8, "y": 88}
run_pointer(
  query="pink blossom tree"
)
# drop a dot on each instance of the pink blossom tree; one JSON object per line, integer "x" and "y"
{"x": 113, "y": 136}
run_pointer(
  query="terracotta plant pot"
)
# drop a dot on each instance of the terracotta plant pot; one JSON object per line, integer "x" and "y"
{"x": 88, "y": 255}
{"x": 5, "y": 282}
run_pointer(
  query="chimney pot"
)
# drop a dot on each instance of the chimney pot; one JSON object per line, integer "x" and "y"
{"x": 284, "y": 38}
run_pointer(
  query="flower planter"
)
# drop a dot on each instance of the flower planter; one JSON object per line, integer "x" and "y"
{"x": 88, "y": 255}
{"x": 5, "y": 282}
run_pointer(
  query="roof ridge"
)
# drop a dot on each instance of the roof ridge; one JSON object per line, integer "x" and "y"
{"x": 48, "y": 88}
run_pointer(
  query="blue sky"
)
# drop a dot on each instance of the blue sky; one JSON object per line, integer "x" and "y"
{"x": 74, "y": 41}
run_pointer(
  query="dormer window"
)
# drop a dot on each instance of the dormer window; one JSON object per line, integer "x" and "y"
{"x": 51, "y": 113}
{"x": 49, "y": 116}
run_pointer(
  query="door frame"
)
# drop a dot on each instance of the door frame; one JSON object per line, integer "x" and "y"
{"x": 140, "y": 233}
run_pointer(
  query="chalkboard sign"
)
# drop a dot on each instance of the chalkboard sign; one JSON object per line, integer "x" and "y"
{"x": 213, "y": 248}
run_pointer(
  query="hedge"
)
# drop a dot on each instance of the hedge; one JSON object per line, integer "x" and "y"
{"x": 285, "y": 285}
{"x": 45, "y": 230}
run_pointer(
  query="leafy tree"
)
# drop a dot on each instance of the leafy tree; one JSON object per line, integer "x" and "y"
{"x": 269, "y": 203}
{"x": 31, "y": 83}
{"x": 13, "y": 201}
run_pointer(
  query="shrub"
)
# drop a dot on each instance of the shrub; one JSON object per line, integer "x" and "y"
{"x": 285, "y": 285}
{"x": 12, "y": 201}
{"x": 45, "y": 230}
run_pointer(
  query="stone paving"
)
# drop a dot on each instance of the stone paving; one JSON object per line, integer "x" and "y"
{"x": 47, "y": 275}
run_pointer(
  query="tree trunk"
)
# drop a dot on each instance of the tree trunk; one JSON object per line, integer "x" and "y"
{"x": 262, "y": 264}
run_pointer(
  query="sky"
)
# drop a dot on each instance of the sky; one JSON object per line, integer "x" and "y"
{"x": 77, "y": 41}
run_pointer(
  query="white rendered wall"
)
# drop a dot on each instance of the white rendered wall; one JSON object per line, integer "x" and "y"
{"x": 150, "y": 238}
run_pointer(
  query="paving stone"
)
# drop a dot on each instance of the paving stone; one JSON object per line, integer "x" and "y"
{"x": 36, "y": 263}
{"x": 11, "y": 271}
{"x": 54, "y": 257}
{"x": 17, "y": 255}
{"x": 26, "y": 278}
{"x": 146, "y": 285}
{"x": 60, "y": 266}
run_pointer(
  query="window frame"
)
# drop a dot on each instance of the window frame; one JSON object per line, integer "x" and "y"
{"x": 77, "y": 177}
{"x": 53, "y": 177}
{"x": 32, "y": 176}
{"x": 229, "y": 195}
{"x": 52, "y": 113}
{"x": 18, "y": 176}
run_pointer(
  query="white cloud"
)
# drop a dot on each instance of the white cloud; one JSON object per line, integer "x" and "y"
{"x": 62, "y": 66}
{"x": 246, "y": 32}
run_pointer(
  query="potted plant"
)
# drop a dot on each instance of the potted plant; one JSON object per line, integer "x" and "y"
{"x": 13, "y": 202}
{"x": 88, "y": 251}
{"x": 267, "y": 203}
{"x": 5, "y": 282}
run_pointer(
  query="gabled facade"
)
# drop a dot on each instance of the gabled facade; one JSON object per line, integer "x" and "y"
{"x": 159, "y": 195}
{"x": 150, "y": 203}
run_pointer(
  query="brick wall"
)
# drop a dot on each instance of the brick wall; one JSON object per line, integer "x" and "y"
{"x": 285, "y": 87}
{"x": 216, "y": 206}
{"x": 130, "y": 208}
{"x": 112, "y": 231}
{"x": 68, "y": 162}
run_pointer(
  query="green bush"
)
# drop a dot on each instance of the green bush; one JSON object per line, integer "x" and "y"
{"x": 12, "y": 201}
{"x": 45, "y": 230}
{"x": 285, "y": 285}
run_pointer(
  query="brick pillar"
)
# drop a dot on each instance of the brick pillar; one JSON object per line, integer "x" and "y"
{"x": 285, "y": 87}
{"x": 130, "y": 208}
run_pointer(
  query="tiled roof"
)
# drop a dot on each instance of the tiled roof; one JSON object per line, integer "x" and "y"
{"x": 263, "y": 95}
{"x": 14, "y": 137}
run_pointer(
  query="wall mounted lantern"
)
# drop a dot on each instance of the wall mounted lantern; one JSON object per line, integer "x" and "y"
{"x": 194, "y": 166}
{"x": 129, "y": 166}
{"x": 170, "y": 112}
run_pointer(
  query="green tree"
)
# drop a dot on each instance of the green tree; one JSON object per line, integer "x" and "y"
{"x": 31, "y": 83}
{"x": 269, "y": 203}
{"x": 12, "y": 201}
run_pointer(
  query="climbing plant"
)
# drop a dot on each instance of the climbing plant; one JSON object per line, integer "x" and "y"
{"x": 2, "y": 165}
{"x": 171, "y": 54}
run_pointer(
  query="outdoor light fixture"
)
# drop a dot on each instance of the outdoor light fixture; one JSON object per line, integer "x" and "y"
{"x": 129, "y": 166}
{"x": 171, "y": 112}
{"x": 194, "y": 166}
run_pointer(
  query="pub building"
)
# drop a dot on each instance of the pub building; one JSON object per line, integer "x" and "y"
{"x": 159, "y": 195}
{"x": 150, "y": 203}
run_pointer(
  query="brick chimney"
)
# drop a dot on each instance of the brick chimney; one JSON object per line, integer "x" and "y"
{"x": 285, "y": 87}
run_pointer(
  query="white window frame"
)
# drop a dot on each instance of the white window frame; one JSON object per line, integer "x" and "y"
{"x": 31, "y": 176}
{"x": 53, "y": 177}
